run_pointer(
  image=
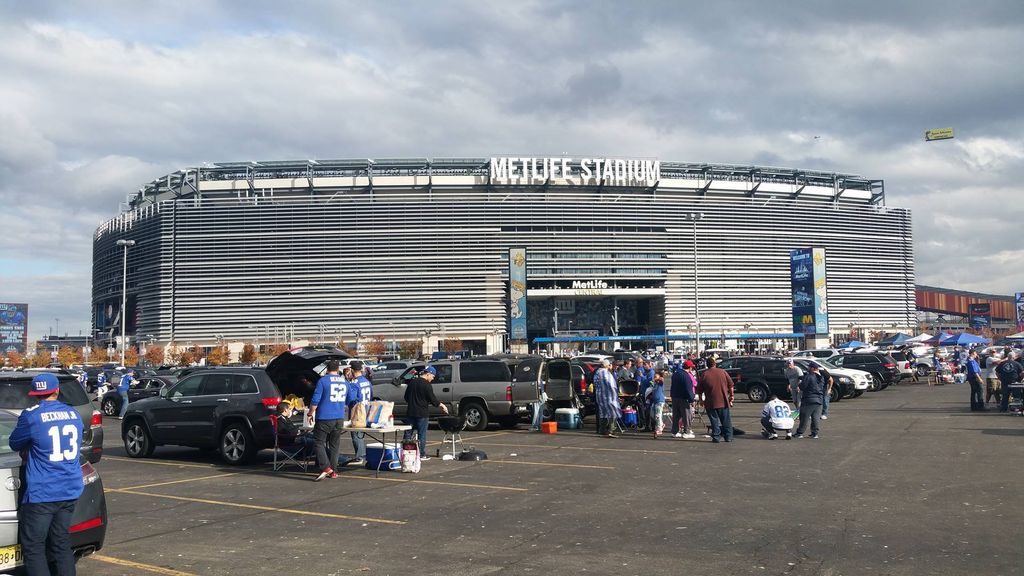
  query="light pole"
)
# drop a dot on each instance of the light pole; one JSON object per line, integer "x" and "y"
{"x": 124, "y": 293}
{"x": 693, "y": 217}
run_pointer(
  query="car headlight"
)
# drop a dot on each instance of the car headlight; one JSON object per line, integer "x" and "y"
{"x": 845, "y": 380}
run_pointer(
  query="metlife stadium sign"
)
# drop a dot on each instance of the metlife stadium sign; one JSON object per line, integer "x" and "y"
{"x": 612, "y": 171}
{"x": 810, "y": 298}
{"x": 13, "y": 328}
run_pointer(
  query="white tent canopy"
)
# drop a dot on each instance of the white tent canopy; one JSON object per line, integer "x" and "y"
{"x": 1017, "y": 336}
{"x": 919, "y": 338}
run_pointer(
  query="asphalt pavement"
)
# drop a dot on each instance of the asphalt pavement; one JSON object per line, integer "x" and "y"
{"x": 903, "y": 481}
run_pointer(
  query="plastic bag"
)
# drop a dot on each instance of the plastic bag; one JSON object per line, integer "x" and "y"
{"x": 410, "y": 457}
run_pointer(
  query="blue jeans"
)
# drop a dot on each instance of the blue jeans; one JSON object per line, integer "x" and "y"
{"x": 359, "y": 445}
{"x": 824, "y": 403}
{"x": 538, "y": 415}
{"x": 124, "y": 403}
{"x": 45, "y": 539}
{"x": 721, "y": 423}
{"x": 419, "y": 425}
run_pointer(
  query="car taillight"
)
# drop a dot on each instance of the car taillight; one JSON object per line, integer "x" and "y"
{"x": 889, "y": 365}
{"x": 907, "y": 365}
{"x": 92, "y": 523}
{"x": 97, "y": 419}
{"x": 583, "y": 384}
{"x": 272, "y": 402}
{"x": 89, "y": 474}
{"x": 508, "y": 393}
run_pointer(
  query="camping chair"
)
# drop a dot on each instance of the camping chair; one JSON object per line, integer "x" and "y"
{"x": 289, "y": 453}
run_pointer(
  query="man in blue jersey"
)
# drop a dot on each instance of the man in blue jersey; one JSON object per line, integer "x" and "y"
{"x": 360, "y": 390}
{"x": 327, "y": 410}
{"x": 122, "y": 390}
{"x": 48, "y": 435}
{"x": 101, "y": 384}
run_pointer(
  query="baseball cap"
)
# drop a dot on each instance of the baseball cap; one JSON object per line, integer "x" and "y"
{"x": 689, "y": 364}
{"x": 814, "y": 365}
{"x": 430, "y": 370}
{"x": 44, "y": 385}
{"x": 357, "y": 365}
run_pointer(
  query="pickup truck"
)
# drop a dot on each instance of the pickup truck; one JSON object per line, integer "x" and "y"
{"x": 484, "y": 389}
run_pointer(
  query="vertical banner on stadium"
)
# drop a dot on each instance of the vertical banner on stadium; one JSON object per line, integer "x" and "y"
{"x": 980, "y": 316}
{"x": 517, "y": 293}
{"x": 808, "y": 286}
{"x": 1018, "y": 299}
{"x": 13, "y": 328}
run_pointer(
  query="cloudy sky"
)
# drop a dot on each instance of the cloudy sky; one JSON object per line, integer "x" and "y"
{"x": 98, "y": 98}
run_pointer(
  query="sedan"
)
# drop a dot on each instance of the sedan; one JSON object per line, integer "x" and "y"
{"x": 146, "y": 387}
{"x": 88, "y": 523}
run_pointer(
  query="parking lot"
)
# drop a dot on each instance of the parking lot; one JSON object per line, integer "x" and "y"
{"x": 903, "y": 481}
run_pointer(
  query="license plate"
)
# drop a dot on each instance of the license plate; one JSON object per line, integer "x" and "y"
{"x": 10, "y": 556}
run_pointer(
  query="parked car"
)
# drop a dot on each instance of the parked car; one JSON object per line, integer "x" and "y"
{"x": 904, "y": 364}
{"x": 387, "y": 371}
{"x": 227, "y": 410}
{"x": 146, "y": 387}
{"x": 14, "y": 388}
{"x": 88, "y": 522}
{"x": 818, "y": 353}
{"x": 882, "y": 367}
{"x": 850, "y": 383}
{"x": 760, "y": 377}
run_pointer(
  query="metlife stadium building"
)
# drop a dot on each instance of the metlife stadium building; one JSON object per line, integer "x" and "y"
{"x": 419, "y": 249}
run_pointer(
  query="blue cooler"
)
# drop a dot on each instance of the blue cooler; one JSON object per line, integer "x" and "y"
{"x": 391, "y": 456}
{"x": 568, "y": 418}
{"x": 629, "y": 417}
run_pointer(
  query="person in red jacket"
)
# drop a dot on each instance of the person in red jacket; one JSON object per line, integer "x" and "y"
{"x": 718, "y": 389}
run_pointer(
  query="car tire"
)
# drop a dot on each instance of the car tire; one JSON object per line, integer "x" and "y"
{"x": 137, "y": 441}
{"x": 236, "y": 444}
{"x": 921, "y": 370}
{"x": 110, "y": 407}
{"x": 757, "y": 393}
{"x": 876, "y": 383}
{"x": 836, "y": 394}
{"x": 548, "y": 411}
{"x": 475, "y": 415}
{"x": 857, "y": 394}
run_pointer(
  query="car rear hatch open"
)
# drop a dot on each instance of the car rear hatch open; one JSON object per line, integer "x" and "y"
{"x": 297, "y": 370}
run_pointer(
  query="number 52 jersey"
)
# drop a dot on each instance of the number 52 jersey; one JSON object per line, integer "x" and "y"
{"x": 52, "y": 433}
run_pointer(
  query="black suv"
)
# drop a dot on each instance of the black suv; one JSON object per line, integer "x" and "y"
{"x": 882, "y": 367}
{"x": 224, "y": 409}
{"x": 760, "y": 377}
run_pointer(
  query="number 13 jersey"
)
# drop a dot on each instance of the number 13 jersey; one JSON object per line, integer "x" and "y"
{"x": 52, "y": 434}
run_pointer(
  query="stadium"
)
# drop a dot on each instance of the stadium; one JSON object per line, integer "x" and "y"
{"x": 419, "y": 249}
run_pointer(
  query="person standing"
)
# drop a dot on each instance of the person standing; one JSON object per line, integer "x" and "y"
{"x": 606, "y": 394}
{"x": 419, "y": 396}
{"x": 360, "y": 391}
{"x": 992, "y": 384}
{"x": 48, "y": 435}
{"x": 793, "y": 374}
{"x": 1009, "y": 372}
{"x": 626, "y": 371}
{"x": 828, "y": 396}
{"x": 122, "y": 390}
{"x": 101, "y": 384}
{"x": 658, "y": 402}
{"x": 718, "y": 389}
{"x": 974, "y": 379}
{"x": 684, "y": 385}
{"x": 538, "y": 407}
{"x": 83, "y": 380}
{"x": 937, "y": 366}
{"x": 327, "y": 411}
{"x": 812, "y": 396}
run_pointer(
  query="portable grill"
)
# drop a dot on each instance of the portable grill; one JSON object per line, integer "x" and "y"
{"x": 452, "y": 426}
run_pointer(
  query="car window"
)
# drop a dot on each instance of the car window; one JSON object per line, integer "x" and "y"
{"x": 838, "y": 360}
{"x": 215, "y": 385}
{"x": 393, "y": 366}
{"x": 483, "y": 372}
{"x": 7, "y": 424}
{"x": 444, "y": 374}
{"x": 243, "y": 384}
{"x": 187, "y": 387}
{"x": 727, "y": 364}
{"x": 139, "y": 384}
{"x": 774, "y": 369}
{"x": 559, "y": 370}
{"x": 857, "y": 360}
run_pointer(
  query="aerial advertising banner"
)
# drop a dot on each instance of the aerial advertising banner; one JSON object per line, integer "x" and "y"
{"x": 808, "y": 285}
{"x": 13, "y": 328}
{"x": 517, "y": 293}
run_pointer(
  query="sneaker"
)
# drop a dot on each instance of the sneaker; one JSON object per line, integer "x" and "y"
{"x": 324, "y": 474}
{"x": 814, "y": 436}
{"x": 799, "y": 436}
{"x": 789, "y": 436}
{"x": 424, "y": 457}
{"x": 610, "y": 435}
{"x": 677, "y": 435}
{"x": 689, "y": 435}
{"x": 823, "y": 417}
{"x": 773, "y": 437}
{"x": 356, "y": 462}
{"x": 333, "y": 475}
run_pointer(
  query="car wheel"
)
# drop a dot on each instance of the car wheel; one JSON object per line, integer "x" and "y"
{"x": 921, "y": 370}
{"x": 758, "y": 393}
{"x": 236, "y": 445}
{"x": 876, "y": 383}
{"x": 857, "y": 394}
{"x": 137, "y": 441}
{"x": 109, "y": 407}
{"x": 548, "y": 411}
{"x": 475, "y": 415}
{"x": 836, "y": 394}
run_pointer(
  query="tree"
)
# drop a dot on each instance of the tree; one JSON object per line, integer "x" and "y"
{"x": 197, "y": 353}
{"x": 41, "y": 359}
{"x": 67, "y": 356}
{"x": 155, "y": 355}
{"x": 452, "y": 344}
{"x": 248, "y": 355}
{"x": 172, "y": 354}
{"x": 98, "y": 355}
{"x": 350, "y": 350}
{"x": 376, "y": 347}
{"x": 15, "y": 359}
{"x": 219, "y": 356}
{"x": 411, "y": 348}
{"x": 131, "y": 356}
{"x": 278, "y": 349}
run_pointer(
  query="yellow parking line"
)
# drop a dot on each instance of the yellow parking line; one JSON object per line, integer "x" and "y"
{"x": 547, "y": 464}
{"x": 262, "y": 508}
{"x": 474, "y": 438}
{"x": 139, "y": 565}
{"x": 459, "y": 484}
{"x": 158, "y": 462}
{"x": 176, "y": 481}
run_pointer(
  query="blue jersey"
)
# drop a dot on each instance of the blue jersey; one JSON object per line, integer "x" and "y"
{"x": 83, "y": 379}
{"x": 359, "y": 390}
{"x": 51, "y": 432}
{"x": 329, "y": 397}
{"x": 126, "y": 381}
{"x": 101, "y": 379}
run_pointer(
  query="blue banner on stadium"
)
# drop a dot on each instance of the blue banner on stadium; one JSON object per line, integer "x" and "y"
{"x": 808, "y": 284}
{"x": 517, "y": 293}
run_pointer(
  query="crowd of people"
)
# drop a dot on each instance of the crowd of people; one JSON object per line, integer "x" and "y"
{"x": 990, "y": 379}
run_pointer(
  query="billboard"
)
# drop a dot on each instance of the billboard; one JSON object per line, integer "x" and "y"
{"x": 1018, "y": 299}
{"x": 980, "y": 315}
{"x": 938, "y": 134}
{"x": 517, "y": 293}
{"x": 808, "y": 287}
{"x": 13, "y": 328}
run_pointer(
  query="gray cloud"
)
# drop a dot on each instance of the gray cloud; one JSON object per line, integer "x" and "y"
{"x": 101, "y": 97}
